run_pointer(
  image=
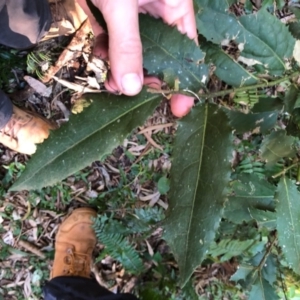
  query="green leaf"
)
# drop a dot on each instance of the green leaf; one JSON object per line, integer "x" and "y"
{"x": 231, "y": 2}
{"x": 253, "y": 191}
{"x": 262, "y": 290}
{"x": 189, "y": 292}
{"x": 223, "y": 25}
{"x": 261, "y": 37}
{"x": 250, "y": 194}
{"x": 168, "y": 53}
{"x": 266, "y": 40}
{"x": 296, "y": 11}
{"x": 259, "y": 122}
{"x": 251, "y": 272}
{"x": 87, "y": 137}
{"x": 199, "y": 174}
{"x": 120, "y": 249}
{"x": 268, "y": 104}
{"x": 263, "y": 218}
{"x": 269, "y": 270}
{"x": 236, "y": 213}
{"x": 272, "y": 5}
{"x": 242, "y": 272}
{"x": 227, "y": 69}
{"x": 277, "y": 145}
{"x": 163, "y": 185}
{"x": 294, "y": 28}
{"x": 290, "y": 98}
{"x": 288, "y": 225}
{"x": 230, "y": 248}
{"x": 248, "y": 6}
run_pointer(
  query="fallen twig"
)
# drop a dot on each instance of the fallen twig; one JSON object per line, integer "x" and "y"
{"x": 32, "y": 248}
{"x": 152, "y": 142}
{"x": 73, "y": 50}
{"x": 75, "y": 87}
{"x": 155, "y": 127}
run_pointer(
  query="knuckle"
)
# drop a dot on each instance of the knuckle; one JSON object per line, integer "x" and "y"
{"x": 131, "y": 46}
{"x": 103, "y": 5}
{"x": 173, "y": 3}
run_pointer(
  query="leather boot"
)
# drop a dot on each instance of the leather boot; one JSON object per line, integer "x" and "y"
{"x": 24, "y": 130}
{"x": 75, "y": 242}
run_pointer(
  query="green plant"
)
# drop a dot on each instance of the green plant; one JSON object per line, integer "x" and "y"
{"x": 10, "y": 60}
{"x": 37, "y": 62}
{"x": 14, "y": 170}
{"x": 116, "y": 235}
{"x": 258, "y": 191}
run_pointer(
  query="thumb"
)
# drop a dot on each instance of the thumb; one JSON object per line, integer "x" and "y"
{"x": 125, "y": 48}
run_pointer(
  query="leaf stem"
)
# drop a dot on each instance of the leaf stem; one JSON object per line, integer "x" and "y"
{"x": 268, "y": 251}
{"x": 229, "y": 91}
{"x": 282, "y": 172}
{"x": 249, "y": 87}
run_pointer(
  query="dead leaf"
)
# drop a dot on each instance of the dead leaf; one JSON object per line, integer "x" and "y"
{"x": 38, "y": 86}
{"x": 31, "y": 248}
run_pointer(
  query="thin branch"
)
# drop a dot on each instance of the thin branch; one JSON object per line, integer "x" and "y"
{"x": 263, "y": 261}
{"x": 250, "y": 87}
{"x": 282, "y": 172}
{"x": 229, "y": 91}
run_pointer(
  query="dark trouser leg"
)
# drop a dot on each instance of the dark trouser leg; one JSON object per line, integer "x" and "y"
{"x": 23, "y": 22}
{"x": 79, "y": 288}
{"x": 6, "y": 109}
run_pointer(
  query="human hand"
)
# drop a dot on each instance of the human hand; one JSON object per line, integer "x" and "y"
{"x": 124, "y": 44}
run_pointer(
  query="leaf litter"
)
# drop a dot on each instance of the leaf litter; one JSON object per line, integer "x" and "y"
{"x": 36, "y": 216}
{"x": 32, "y": 235}
{"x": 28, "y": 236}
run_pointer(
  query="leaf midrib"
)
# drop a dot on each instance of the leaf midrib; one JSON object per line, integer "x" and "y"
{"x": 240, "y": 66}
{"x": 290, "y": 212}
{"x": 262, "y": 285}
{"x": 253, "y": 35}
{"x": 139, "y": 104}
{"x": 264, "y": 43}
{"x": 254, "y": 197}
{"x": 197, "y": 181}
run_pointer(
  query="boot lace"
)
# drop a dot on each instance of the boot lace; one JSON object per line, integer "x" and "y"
{"x": 76, "y": 263}
{"x": 14, "y": 125}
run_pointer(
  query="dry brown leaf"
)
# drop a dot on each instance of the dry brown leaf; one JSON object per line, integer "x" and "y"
{"x": 163, "y": 204}
{"x": 149, "y": 197}
{"x": 76, "y": 87}
{"x": 72, "y": 51}
{"x": 156, "y": 127}
{"x": 151, "y": 141}
{"x": 150, "y": 249}
{"x": 32, "y": 248}
{"x": 38, "y": 86}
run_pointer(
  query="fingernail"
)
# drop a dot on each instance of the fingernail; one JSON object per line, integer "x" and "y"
{"x": 131, "y": 84}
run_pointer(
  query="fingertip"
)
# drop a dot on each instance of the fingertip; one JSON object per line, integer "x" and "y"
{"x": 111, "y": 85}
{"x": 152, "y": 82}
{"x": 131, "y": 83}
{"x": 181, "y": 105}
